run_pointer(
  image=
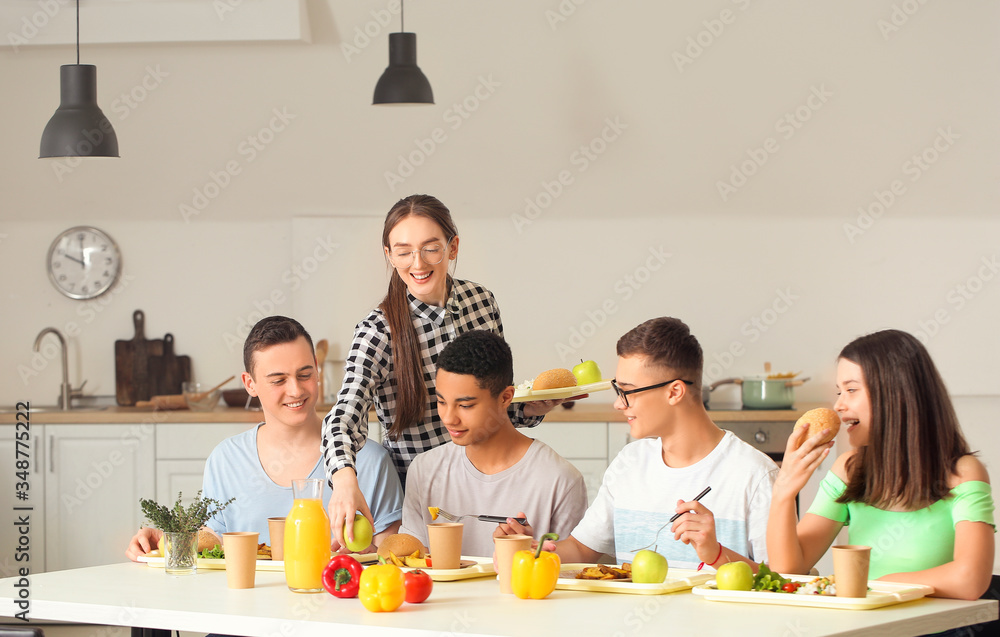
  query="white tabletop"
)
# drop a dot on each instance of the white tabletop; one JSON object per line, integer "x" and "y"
{"x": 136, "y": 595}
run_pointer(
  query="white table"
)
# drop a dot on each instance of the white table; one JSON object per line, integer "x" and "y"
{"x": 136, "y": 595}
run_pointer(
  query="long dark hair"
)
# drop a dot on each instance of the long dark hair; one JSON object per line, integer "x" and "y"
{"x": 407, "y": 357}
{"x": 914, "y": 439}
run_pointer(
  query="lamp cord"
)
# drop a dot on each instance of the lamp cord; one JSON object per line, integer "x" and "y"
{"x": 78, "y": 32}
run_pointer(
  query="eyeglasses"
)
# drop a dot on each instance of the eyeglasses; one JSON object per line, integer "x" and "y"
{"x": 431, "y": 255}
{"x": 624, "y": 393}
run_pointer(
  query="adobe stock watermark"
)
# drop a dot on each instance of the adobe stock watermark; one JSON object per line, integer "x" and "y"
{"x": 366, "y": 33}
{"x": 562, "y": 12}
{"x": 454, "y": 117}
{"x": 122, "y": 106}
{"x": 292, "y": 279}
{"x": 581, "y": 159}
{"x": 249, "y": 150}
{"x": 623, "y": 289}
{"x": 899, "y": 16}
{"x": 88, "y": 311}
{"x": 958, "y": 298}
{"x": 714, "y": 28}
{"x": 788, "y": 125}
{"x": 758, "y": 325}
{"x": 913, "y": 168}
{"x": 36, "y": 22}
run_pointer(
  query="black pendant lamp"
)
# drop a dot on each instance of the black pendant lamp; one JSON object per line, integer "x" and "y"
{"x": 403, "y": 82}
{"x": 78, "y": 128}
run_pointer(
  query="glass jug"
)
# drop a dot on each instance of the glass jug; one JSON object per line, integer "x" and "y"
{"x": 307, "y": 537}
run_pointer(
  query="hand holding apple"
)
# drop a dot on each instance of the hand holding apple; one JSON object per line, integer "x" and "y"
{"x": 363, "y": 533}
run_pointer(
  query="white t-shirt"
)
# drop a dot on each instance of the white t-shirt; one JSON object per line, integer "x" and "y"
{"x": 639, "y": 495}
{"x": 234, "y": 469}
{"x": 542, "y": 483}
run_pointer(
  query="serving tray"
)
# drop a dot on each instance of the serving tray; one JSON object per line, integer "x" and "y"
{"x": 679, "y": 579}
{"x": 470, "y": 568}
{"x": 263, "y": 563}
{"x": 526, "y": 395}
{"x": 880, "y": 594}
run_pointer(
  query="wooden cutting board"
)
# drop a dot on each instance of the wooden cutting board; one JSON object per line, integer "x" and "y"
{"x": 132, "y": 381}
{"x": 168, "y": 372}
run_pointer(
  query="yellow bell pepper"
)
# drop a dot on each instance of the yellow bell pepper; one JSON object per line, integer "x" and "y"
{"x": 534, "y": 575}
{"x": 382, "y": 588}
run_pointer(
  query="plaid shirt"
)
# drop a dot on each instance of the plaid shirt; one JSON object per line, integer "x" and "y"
{"x": 369, "y": 377}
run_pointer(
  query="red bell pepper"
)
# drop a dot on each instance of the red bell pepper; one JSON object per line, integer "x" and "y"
{"x": 342, "y": 576}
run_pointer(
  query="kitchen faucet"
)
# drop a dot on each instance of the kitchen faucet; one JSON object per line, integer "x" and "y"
{"x": 66, "y": 392}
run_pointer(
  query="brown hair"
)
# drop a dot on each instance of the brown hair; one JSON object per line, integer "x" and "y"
{"x": 407, "y": 357}
{"x": 273, "y": 330}
{"x": 914, "y": 439}
{"x": 666, "y": 342}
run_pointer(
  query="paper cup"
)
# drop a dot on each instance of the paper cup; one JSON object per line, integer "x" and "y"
{"x": 276, "y": 529}
{"x": 505, "y": 548}
{"x": 241, "y": 558}
{"x": 850, "y": 569}
{"x": 445, "y": 541}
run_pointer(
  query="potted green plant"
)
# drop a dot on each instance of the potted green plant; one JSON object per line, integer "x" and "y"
{"x": 180, "y": 527}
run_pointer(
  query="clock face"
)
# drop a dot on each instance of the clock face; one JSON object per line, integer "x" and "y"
{"x": 84, "y": 262}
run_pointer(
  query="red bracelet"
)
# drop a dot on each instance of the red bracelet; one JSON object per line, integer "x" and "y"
{"x": 713, "y": 562}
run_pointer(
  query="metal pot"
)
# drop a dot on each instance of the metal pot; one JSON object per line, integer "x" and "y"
{"x": 761, "y": 392}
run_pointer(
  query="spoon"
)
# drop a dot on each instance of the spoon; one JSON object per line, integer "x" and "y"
{"x": 201, "y": 395}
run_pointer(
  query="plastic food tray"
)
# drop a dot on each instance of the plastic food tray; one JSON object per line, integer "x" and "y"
{"x": 525, "y": 395}
{"x": 677, "y": 580}
{"x": 263, "y": 563}
{"x": 880, "y": 594}
{"x": 471, "y": 567}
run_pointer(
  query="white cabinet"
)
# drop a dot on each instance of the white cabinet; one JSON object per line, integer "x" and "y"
{"x": 10, "y": 478}
{"x": 585, "y": 444}
{"x": 94, "y": 478}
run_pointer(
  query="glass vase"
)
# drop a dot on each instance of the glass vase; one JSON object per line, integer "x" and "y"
{"x": 181, "y": 552}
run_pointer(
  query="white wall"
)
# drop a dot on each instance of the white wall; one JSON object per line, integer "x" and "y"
{"x": 662, "y": 136}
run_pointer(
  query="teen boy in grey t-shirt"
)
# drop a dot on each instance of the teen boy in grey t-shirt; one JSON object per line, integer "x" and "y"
{"x": 489, "y": 467}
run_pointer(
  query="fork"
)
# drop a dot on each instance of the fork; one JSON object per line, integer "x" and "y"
{"x": 672, "y": 519}
{"x": 484, "y": 518}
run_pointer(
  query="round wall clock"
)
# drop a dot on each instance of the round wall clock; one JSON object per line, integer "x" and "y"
{"x": 84, "y": 262}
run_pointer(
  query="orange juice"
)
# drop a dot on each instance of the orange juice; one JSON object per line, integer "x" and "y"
{"x": 307, "y": 545}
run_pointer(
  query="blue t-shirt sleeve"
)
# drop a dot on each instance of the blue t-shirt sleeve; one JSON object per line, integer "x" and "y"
{"x": 826, "y": 504}
{"x": 212, "y": 488}
{"x": 379, "y": 483}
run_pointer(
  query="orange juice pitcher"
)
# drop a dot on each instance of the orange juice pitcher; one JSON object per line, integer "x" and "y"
{"x": 307, "y": 538}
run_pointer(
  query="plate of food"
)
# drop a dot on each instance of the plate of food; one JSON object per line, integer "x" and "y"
{"x": 469, "y": 568}
{"x": 556, "y": 384}
{"x": 601, "y": 578}
{"x": 818, "y": 592}
{"x": 408, "y": 553}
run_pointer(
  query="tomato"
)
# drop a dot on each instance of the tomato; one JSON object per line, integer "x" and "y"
{"x": 418, "y": 586}
{"x": 790, "y": 587}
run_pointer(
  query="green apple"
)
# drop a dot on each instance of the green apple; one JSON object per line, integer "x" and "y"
{"x": 734, "y": 576}
{"x": 649, "y": 567}
{"x": 587, "y": 372}
{"x": 362, "y": 534}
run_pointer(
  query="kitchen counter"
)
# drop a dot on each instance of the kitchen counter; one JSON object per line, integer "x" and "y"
{"x": 582, "y": 411}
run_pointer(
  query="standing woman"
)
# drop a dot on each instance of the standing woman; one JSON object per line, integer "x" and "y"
{"x": 910, "y": 488}
{"x": 393, "y": 356}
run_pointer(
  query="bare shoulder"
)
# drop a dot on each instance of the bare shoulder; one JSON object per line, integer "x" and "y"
{"x": 839, "y": 467}
{"x": 968, "y": 468}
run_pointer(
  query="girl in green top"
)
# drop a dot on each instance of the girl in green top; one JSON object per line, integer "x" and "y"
{"x": 909, "y": 488}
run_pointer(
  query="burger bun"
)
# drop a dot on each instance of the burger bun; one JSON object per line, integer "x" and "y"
{"x": 554, "y": 379}
{"x": 817, "y": 420}
{"x": 400, "y": 544}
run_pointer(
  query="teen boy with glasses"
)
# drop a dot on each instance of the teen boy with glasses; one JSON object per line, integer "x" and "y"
{"x": 678, "y": 452}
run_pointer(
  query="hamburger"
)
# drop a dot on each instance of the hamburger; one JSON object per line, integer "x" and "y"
{"x": 554, "y": 379}
{"x": 817, "y": 420}
{"x": 401, "y": 544}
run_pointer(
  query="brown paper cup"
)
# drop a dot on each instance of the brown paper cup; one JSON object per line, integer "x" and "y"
{"x": 241, "y": 558}
{"x": 850, "y": 569}
{"x": 445, "y": 541}
{"x": 505, "y": 548}
{"x": 276, "y": 529}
